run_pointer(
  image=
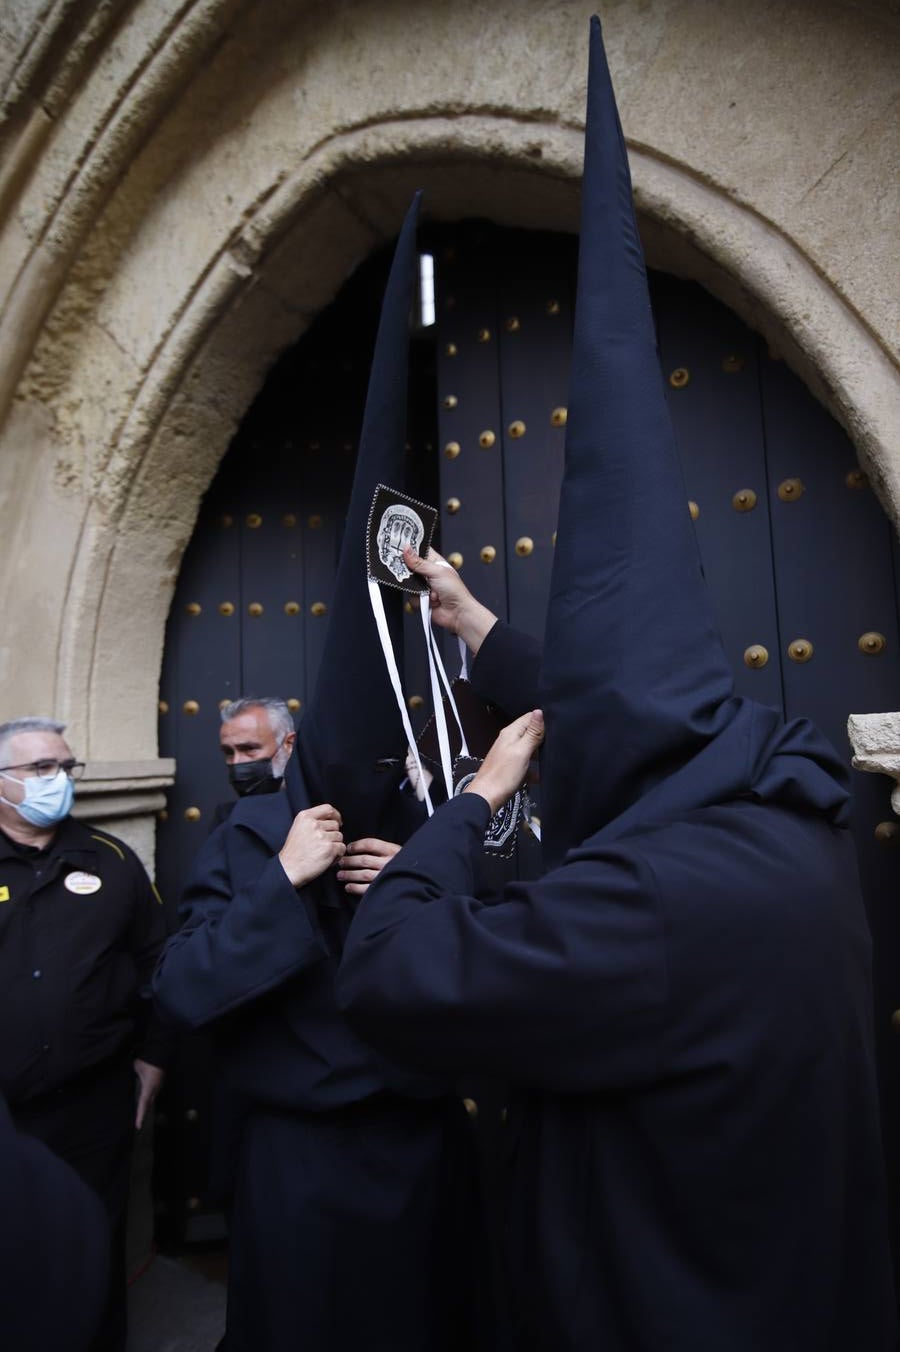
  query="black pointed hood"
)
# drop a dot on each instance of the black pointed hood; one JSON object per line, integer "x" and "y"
{"x": 352, "y": 720}
{"x": 635, "y": 683}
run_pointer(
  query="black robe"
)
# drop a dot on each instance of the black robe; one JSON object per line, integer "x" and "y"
{"x": 54, "y": 1249}
{"x": 684, "y": 999}
{"x": 685, "y": 1006}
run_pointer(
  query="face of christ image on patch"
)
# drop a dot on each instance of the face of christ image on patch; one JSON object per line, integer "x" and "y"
{"x": 400, "y": 528}
{"x": 397, "y": 522}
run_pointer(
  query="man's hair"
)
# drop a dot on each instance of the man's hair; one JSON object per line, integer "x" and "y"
{"x": 16, "y": 725}
{"x": 280, "y": 720}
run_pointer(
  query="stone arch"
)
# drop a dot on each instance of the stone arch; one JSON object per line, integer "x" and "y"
{"x": 261, "y": 293}
{"x": 292, "y": 129}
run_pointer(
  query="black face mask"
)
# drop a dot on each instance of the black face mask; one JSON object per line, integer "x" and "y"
{"x": 253, "y": 777}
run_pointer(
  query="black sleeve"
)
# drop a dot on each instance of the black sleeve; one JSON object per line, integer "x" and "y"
{"x": 506, "y": 668}
{"x": 154, "y": 1034}
{"x": 561, "y": 985}
{"x": 236, "y": 943}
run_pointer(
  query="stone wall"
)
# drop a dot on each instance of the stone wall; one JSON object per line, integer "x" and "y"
{"x": 185, "y": 184}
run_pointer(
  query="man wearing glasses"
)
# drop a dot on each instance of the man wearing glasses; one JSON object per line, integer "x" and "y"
{"x": 81, "y": 927}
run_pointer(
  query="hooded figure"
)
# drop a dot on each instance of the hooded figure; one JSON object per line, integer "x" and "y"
{"x": 340, "y": 1217}
{"x": 684, "y": 999}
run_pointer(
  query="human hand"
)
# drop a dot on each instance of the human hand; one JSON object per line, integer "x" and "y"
{"x": 150, "y": 1080}
{"x": 313, "y": 844}
{"x": 453, "y": 606}
{"x": 505, "y": 765}
{"x": 363, "y": 862}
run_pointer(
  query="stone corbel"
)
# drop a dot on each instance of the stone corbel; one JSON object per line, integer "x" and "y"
{"x": 124, "y": 797}
{"x": 115, "y": 789}
{"x": 875, "y": 739}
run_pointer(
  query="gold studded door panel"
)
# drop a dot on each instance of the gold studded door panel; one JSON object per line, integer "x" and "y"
{"x": 503, "y": 304}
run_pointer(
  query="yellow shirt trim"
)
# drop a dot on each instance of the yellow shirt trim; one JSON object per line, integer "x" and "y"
{"x": 111, "y": 843}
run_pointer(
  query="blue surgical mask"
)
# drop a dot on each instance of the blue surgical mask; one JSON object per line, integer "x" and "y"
{"x": 47, "y": 801}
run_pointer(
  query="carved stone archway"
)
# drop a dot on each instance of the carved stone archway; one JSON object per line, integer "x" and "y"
{"x": 188, "y": 184}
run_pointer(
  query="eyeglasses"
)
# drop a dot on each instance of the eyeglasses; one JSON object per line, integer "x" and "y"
{"x": 46, "y": 769}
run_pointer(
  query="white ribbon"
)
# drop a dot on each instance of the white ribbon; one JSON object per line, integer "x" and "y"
{"x": 440, "y": 720}
{"x": 387, "y": 648}
{"x": 438, "y": 677}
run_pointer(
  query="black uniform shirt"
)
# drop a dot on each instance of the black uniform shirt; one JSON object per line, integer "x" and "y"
{"x": 81, "y": 927}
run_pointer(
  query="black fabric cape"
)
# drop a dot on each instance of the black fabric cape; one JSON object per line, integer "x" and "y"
{"x": 54, "y": 1249}
{"x": 684, "y": 999}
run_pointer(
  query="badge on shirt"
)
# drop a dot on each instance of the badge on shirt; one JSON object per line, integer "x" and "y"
{"x": 4, "y": 894}
{"x": 83, "y": 883}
